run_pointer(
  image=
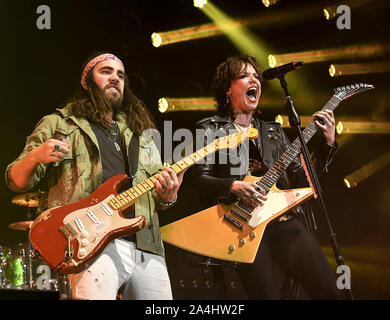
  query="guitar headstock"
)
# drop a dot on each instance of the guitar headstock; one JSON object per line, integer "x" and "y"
{"x": 235, "y": 139}
{"x": 349, "y": 91}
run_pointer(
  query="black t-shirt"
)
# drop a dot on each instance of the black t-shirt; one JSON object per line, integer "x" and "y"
{"x": 113, "y": 160}
{"x": 256, "y": 166}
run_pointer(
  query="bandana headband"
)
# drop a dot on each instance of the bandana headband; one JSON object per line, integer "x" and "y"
{"x": 94, "y": 62}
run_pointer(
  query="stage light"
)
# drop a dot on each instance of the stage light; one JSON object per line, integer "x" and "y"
{"x": 200, "y": 3}
{"x": 186, "y": 104}
{"x": 339, "y": 127}
{"x": 337, "y": 70}
{"x": 348, "y": 184}
{"x": 265, "y": 20}
{"x": 330, "y": 12}
{"x": 246, "y": 42}
{"x": 269, "y": 3}
{"x": 206, "y": 104}
{"x": 352, "y": 180}
{"x": 192, "y": 33}
{"x": 285, "y": 123}
{"x": 326, "y": 14}
{"x": 343, "y": 127}
{"x": 237, "y": 33}
{"x": 358, "y": 51}
{"x": 162, "y": 105}
{"x": 271, "y": 61}
{"x": 156, "y": 39}
{"x": 362, "y": 127}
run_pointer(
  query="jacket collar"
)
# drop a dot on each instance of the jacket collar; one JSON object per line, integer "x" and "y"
{"x": 84, "y": 125}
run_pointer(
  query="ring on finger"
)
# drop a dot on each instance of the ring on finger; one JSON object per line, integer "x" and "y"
{"x": 57, "y": 147}
{"x": 53, "y": 153}
{"x": 256, "y": 195}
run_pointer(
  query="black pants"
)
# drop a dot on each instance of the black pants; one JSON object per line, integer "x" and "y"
{"x": 298, "y": 254}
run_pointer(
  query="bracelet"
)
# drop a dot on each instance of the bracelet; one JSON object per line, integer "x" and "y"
{"x": 167, "y": 204}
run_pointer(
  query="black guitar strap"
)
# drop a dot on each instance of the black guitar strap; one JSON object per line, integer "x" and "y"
{"x": 133, "y": 155}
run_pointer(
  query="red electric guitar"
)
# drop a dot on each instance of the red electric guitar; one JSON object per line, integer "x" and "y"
{"x": 70, "y": 237}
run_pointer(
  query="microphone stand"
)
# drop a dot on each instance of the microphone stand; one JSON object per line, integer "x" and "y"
{"x": 295, "y": 122}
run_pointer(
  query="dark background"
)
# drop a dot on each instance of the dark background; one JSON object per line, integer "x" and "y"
{"x": 40, "y": 70}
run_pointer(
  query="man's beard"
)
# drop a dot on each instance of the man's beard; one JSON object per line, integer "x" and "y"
{"x": 114, "y": 100}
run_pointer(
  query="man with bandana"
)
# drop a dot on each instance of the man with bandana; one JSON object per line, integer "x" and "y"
{"x": 77, "y": 148}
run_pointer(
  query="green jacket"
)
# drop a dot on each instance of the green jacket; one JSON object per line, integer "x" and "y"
{"x": 80, "y": 172}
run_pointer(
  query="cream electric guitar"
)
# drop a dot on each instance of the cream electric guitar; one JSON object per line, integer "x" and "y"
{"x": 234, "y": 232}
{"x": 70, "y": 237}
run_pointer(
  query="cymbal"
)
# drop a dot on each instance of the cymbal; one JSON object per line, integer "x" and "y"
{"x": 32, "y": 199}
{"x": 21, "y": 225}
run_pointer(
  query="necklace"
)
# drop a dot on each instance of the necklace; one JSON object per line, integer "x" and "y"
{"x": 112, "y": 133}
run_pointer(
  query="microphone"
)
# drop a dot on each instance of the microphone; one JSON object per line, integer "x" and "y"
{"x": 272, "y": 73}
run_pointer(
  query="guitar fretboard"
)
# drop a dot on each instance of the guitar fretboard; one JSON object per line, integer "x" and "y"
{"x": 128, "y": 197}
{"x": 274, "y": 173}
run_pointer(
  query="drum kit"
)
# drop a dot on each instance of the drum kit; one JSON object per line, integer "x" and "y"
{"x": 21, "y": 268}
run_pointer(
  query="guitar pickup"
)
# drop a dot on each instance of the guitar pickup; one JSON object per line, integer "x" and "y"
{"x": 240, "y": 214}
{"x": 233, "y": 221}
{"x": 245, "y": 207}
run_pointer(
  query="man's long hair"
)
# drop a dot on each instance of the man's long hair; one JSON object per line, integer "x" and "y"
{"x": 94, "y": 106}
{"x": 227, "y": 72}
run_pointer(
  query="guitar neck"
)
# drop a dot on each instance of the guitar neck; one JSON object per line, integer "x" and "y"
{"x": 274, "y": 173}
{"x": 128, "y": 197}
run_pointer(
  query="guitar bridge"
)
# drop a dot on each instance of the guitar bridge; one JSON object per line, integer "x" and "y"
{"x": 68, "y": 231}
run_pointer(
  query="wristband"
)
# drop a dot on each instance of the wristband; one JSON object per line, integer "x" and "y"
{"x": 167, "y": 204}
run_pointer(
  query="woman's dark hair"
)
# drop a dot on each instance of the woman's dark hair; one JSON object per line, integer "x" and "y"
{"x": 94, "y": 106}
{"x": 227, "y": 72}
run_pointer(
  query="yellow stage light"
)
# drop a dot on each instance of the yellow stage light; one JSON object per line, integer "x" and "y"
{"x": 246, "y": 41}
{"x": 206, "y": 104}
{"x": 271, "y": 60}
{"x": 269, "y": 3}
{"x": 210, "y": 30}
{"x": 332, "y": 70}
{"x": 169, "y": 37}
{"x": 337, "y": 70}
{"x": 200, "y": 3}
{"x": 330, "y": 12}
{"x": 366, "y": 171}
{"x": 285, "y": 123}
{"x": 156, "y": 39}
{"x": 362, "y": 127}
{"x": 162, "y": 105}
{"x": 237, "y": 33}
{"x": 186, "y": 104}
{"x": 348, "y": 126}
{"x": 348, "y": 184}
{"x": 326, "y": 14}
{"x": 339, "y": 127}
{"x": 358, "y": 51}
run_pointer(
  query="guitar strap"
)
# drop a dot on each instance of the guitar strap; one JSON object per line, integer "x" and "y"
{"x": 133, "y": 155}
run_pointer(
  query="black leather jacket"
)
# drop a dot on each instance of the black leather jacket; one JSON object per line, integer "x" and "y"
{"x": 213, "y": 180}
